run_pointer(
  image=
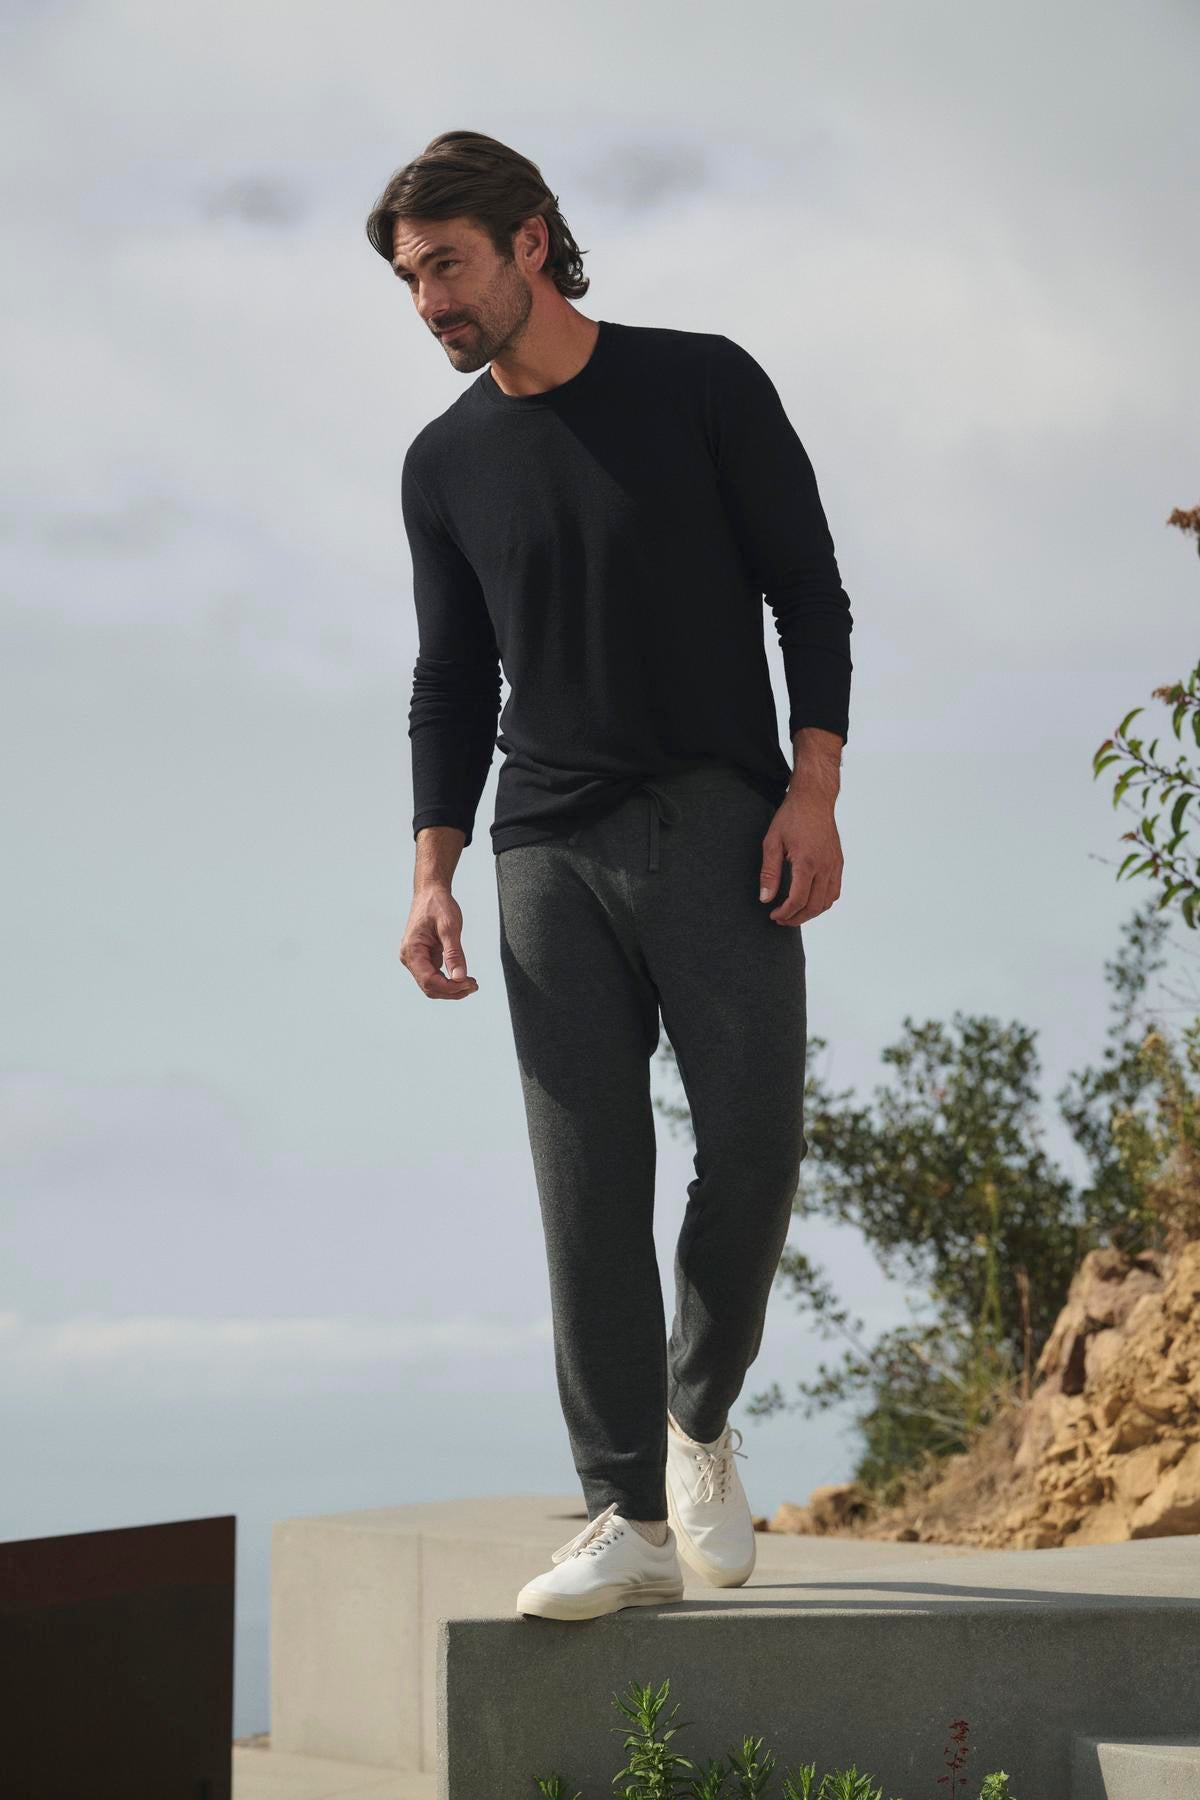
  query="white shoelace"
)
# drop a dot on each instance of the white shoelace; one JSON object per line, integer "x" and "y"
{"x": 716, "y": 1465}
{"x": 596, "y": 1533}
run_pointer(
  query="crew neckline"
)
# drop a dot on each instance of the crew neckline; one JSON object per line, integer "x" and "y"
{"x": 492, "y": 391}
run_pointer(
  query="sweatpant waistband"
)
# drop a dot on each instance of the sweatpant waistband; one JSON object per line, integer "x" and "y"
{"x": 663, "y": 808}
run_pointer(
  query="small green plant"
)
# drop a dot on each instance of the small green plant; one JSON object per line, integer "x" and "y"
{"x": 751, "y": 1769}
{"x": 846, "y": 1784}
{"x": 710, "y": 1782}
{"x": 654, "y": 1771}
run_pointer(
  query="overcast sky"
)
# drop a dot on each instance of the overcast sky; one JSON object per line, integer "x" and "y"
{"x": 269, "y": 1240}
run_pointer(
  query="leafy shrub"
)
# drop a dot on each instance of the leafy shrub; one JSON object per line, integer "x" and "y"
{"x": 655, "y": 1771}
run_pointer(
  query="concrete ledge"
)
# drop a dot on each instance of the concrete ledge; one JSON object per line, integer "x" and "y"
{"x": 395, "y": 1644}
{"x": 869, "y": 1665}
{"x": 267, "y": 1774}
{"x": 357, "y": 1599}
{"x": 1137, "y": 1768}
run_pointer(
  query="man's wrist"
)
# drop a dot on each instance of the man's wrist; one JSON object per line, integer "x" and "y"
{"x": 816, "y": 761}
{"x": 438, "y": 849}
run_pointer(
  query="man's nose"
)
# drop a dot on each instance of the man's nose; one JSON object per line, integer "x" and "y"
{"x": 430, "y": 305}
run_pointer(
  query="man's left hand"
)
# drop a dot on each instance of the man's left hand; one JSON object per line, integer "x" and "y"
{"x": 804, "y": 831}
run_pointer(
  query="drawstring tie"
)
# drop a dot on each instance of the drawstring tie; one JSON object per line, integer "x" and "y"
{"x": 662, "y": 807}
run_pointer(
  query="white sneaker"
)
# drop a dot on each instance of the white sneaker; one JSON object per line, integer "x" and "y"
{"x": 707, "y": 1507}
{"x": 606, "y": 1566}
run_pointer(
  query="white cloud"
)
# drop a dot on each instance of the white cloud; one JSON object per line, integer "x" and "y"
{"x": 198, "y": 1350}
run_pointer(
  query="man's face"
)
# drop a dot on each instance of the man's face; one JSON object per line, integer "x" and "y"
{"x": 456, "y": 278}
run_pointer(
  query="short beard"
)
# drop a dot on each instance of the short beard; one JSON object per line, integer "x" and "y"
{"x": 506, "y": 309}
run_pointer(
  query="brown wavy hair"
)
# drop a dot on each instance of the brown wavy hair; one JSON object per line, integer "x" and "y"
{"x": 463, "y": 174}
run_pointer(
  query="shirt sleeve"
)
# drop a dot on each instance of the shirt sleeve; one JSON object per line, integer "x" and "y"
{"x": 770, "y": 492}
{"x": 456, "y": 677}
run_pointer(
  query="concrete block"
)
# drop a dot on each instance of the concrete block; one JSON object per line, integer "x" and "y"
{"x": 268, "y": 1774}
{"x": 868, "y": 1665}
{"x": 395, "y": 1644}
{"x": 1166, "y": 1768}
{"x": 345, "y": 1632}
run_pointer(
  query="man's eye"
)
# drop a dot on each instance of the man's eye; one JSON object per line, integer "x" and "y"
{"x": 446, "y": 262}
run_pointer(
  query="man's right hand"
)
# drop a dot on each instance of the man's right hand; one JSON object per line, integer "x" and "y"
{"x": 433, "y": 937}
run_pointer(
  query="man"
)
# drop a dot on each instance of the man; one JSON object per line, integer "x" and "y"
{"x": 601, "y": 514}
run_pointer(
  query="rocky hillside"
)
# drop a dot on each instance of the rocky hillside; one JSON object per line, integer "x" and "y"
{"x": 1106, "y": 1449}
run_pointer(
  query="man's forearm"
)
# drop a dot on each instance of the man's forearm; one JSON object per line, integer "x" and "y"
{"x": 816, "y": 762}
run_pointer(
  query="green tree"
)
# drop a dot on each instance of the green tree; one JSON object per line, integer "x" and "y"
{"x": 1163, "y": 858}
{"x": 1115, "y": 1112}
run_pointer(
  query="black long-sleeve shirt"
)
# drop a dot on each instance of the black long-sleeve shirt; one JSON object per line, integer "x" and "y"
{"x": 609, "y": 544}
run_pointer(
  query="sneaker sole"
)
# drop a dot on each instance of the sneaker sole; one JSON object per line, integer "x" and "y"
{"x": 713, "y": 1573}
{"x": 594, "y": 1606}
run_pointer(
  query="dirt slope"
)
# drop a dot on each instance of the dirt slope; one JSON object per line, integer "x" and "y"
{"x": 1107, "y": 1448}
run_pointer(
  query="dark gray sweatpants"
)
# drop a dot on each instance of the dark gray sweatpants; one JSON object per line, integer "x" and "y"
{"x": 654, "y": 909}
